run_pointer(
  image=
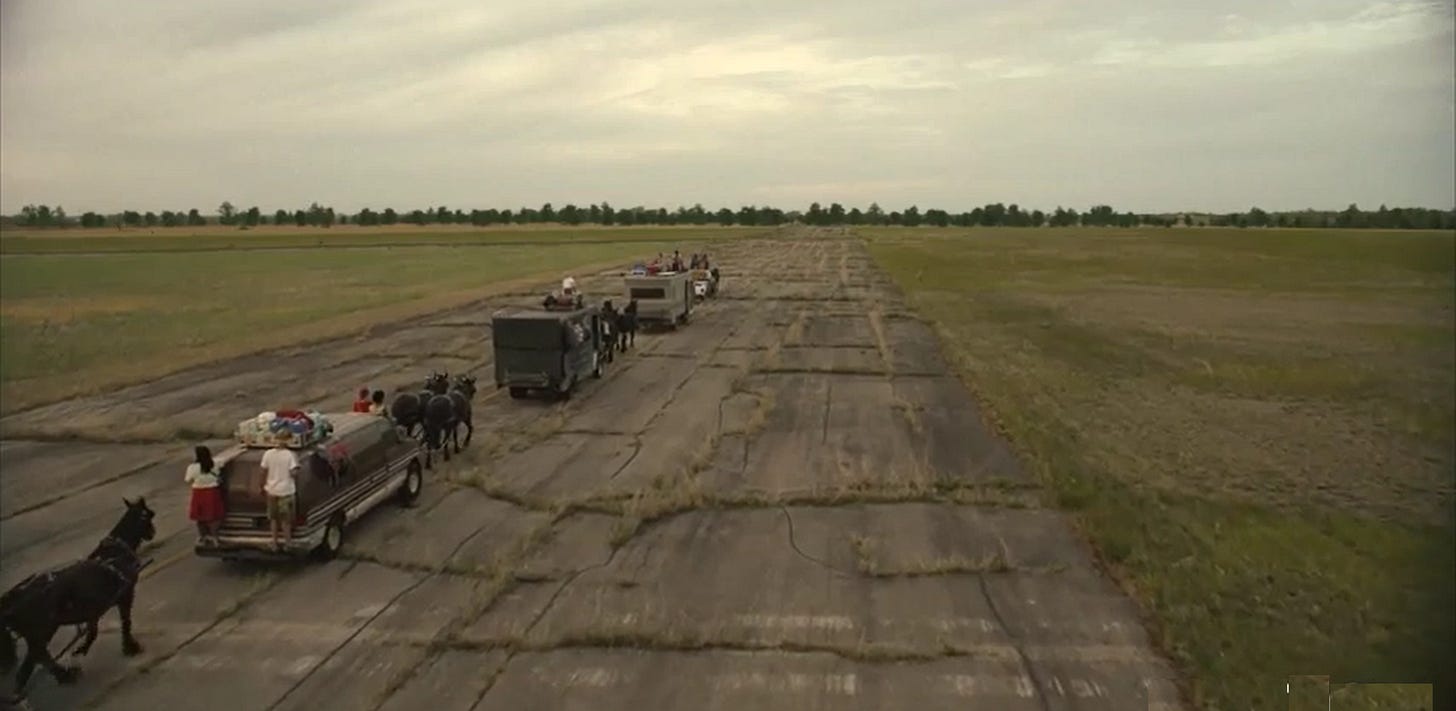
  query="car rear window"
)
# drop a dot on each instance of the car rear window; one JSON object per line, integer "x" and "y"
{"x": 527, "y": 334}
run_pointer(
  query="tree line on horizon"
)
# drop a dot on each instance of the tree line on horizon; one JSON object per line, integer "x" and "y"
{"x": 991, "y": 215}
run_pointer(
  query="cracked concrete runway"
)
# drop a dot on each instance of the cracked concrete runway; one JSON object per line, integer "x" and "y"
{"x": 788, "y": 504}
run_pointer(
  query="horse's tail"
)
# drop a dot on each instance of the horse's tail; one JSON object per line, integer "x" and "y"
{"x": 7, "y": 640}
{"x": 8, "y": 657}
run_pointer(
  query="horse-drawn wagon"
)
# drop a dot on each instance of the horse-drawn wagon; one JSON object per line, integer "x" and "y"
{"x": 705, "y": 283}
{"x": 548, "y": 349}
{"x": 665, "y": 298}
{"x": 349, "y": 463}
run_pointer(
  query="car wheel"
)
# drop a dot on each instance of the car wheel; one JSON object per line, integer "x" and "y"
{"x": 414, "y": 481}
{"x": 517, "y": 393}
{"x": 333, "y": 539}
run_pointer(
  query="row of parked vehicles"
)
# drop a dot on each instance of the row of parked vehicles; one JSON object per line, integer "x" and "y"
{"x": 367, "y": 460}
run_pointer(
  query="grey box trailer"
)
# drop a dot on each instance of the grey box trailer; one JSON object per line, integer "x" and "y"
{"x": 546, "y": 350}
{"x": 662, "y": 299}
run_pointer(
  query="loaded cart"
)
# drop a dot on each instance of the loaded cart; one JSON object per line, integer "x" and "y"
{"x": 705, "y": 283}
{"x": 547, "y": 350}
{"x": 663, "y": 299}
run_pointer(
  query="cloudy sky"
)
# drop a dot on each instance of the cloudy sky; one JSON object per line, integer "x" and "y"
{"x": 1148, "y": 105}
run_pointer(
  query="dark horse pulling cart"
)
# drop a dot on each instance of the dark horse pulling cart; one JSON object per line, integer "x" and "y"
{"x": 77, "y": 594}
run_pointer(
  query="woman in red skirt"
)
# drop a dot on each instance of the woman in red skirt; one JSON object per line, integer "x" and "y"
{"x": 206, "y": 507}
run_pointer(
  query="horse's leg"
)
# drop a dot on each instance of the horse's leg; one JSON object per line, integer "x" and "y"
{"x": 27, "y": 667}
{"x": 37, "y": 650}
{"x": 91, "y": 629}
{"x": 129, "y": 646}
{"x": 469, "y": 430}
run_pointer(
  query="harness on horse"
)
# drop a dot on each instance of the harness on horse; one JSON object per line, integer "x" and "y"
{"x": 40, "y": 581}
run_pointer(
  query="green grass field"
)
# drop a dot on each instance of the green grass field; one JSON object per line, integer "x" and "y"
{"x": 83, "y": 312}
{"x": 189, "y": 239}
{"x": 1254, "y": 427}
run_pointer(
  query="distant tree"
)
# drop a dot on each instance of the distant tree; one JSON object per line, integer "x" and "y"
{"x": 390, "y": 217}
{"x": 131, "y": 218}
{"x": 815, "y": 215}
{"x": 609, "y": 216}
{"x": 195, "y": 218}
{"x": 253, "y": 216}
{"x": 724, "y": 216}
{"x": 1038, "y": 218}
{"x": 417, "y": 217}
{"x": 91, "y": 219}
{"x": 937, "y": 217}
{"x": 874, "y": 215}
{"x": 150, "y": 219}
{"x": 226, "y": 212}
{"x": 570, "y": 215}
{"x": 300, "y": 218}
{"x": 547, "y": 214}
{"x": 855, "y": 217}
{"x": 281, "y": 217}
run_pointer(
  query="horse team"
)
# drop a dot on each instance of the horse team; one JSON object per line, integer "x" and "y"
{"x": 80, "y": 593}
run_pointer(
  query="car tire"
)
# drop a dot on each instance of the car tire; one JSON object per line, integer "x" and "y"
{"x": 517, "y": 393}
{"x": 414, "y": 483}
{"x": 333, "y": 542}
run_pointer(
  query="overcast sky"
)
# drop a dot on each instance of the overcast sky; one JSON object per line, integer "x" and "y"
{"x": 1151, "y": 105}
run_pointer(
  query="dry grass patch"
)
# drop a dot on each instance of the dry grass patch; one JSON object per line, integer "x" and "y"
{"x": 1254, "y": 428}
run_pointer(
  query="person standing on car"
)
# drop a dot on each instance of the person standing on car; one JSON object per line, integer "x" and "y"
{"x": 206, "y": 506}
{"x": 280, "y": 463}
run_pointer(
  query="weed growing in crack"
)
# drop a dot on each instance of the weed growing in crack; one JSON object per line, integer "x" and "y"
{"x": 623, "y": 529}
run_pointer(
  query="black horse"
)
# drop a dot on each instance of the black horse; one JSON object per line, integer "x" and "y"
{"x": 627, "y": 326}
{"x": 77, "y": 594}
{"x": 460, "y": 396}
{"x": 610, "y": 321}
{"x": 438, "y": 415}
{"x": 408, "y": 409}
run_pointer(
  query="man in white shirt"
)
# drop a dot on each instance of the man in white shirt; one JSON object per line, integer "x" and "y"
{"x": 280, "y": 463}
